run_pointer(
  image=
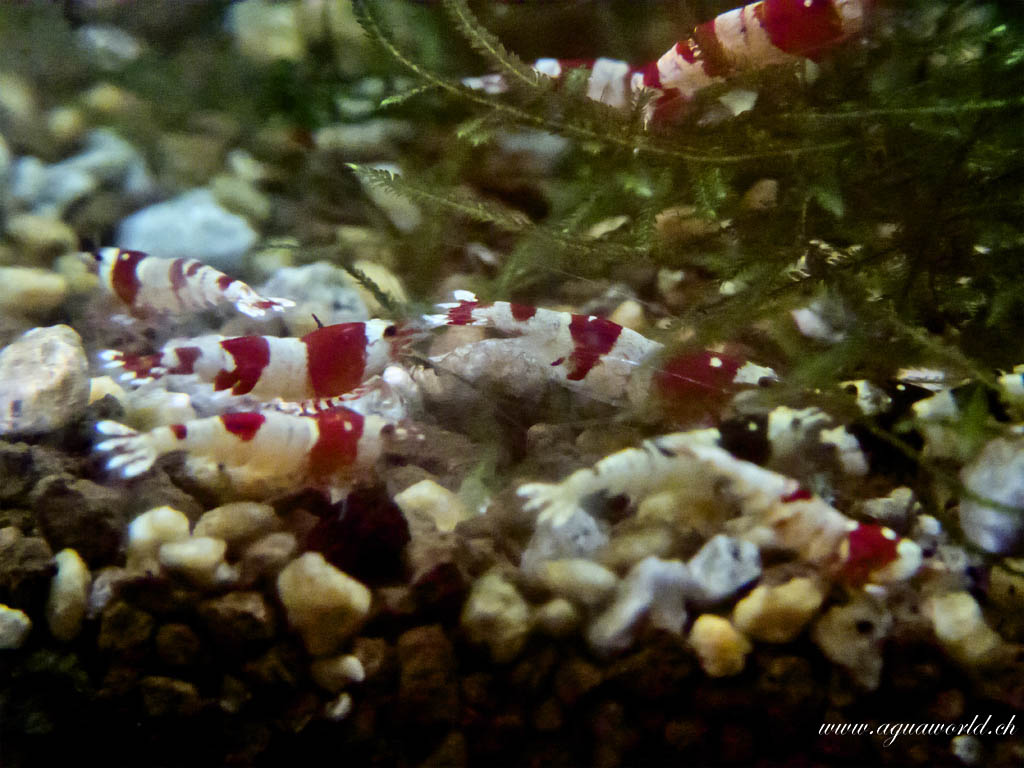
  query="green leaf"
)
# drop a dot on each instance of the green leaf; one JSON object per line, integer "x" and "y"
{"x": 487, "y": 45}
{"x": 400, "y": 98}
{"x": 829, "y": 198}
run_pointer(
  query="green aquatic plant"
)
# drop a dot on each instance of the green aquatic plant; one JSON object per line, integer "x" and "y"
{"x": 901, "y": 181}
{"x": 902, "y": 144}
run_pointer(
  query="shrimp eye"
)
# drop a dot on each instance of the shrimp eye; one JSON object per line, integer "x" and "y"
{"x": 390, "y": 331}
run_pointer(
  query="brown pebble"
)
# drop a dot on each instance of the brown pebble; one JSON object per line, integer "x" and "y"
{"x": 238, "y": 618}
{"x": 428, "y": 694}
{"x": 177, "y": 645}
{"x": 168, "y": 696}
{"x": 124, "y": 629}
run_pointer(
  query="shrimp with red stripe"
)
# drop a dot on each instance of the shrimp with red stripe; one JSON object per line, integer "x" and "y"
{"x": 148, "y": 284}
{"x": 256, "y": 453}
{"x": 776, "y": 511}
{"x": 326, "y": 363}
{"x": 761, "y": 34}
{"x": 587, "y": 353}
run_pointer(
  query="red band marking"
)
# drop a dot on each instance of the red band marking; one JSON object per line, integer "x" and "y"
{"x": 652, "y": 76}
{"x": 695, "y": 375}
{"x": 180, "y": 431}
{"x": 714, "y": 59}
{"x": 800, "y": 494}
{"x": 688, "y": 50}
{"x": 251, "y": 355}
{"x": 522, "y": 312}
{"x": 243, "y": 425}
{"x": 800, "y": 27}
{"x": 592, "y": 337}
{"x": 193, "y": 267}
{"x": 336, "y": 358}
{"x": 223, "y": 282}
{"x": 142, "y": 365}
{"x": 463, "y": 313}
{"x": 124, "y": 278}
{"x": 337, "y": 444}
{"x": 870, "y": 549}
{"x": 187, "y": 357}
{"x": 178, "y": 280}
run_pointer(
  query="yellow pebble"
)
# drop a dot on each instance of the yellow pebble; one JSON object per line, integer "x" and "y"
{"x": 778, "y": 614}
{"x": 722, "y": 649}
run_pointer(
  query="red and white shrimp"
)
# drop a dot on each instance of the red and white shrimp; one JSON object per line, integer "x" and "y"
{"x": 256, "y": 452}
{"x": 148, "y": 284}
{"x": 760, "y": 34}
{"x": 583, "y": 352}
{"x": 775, "y": 510}
{"x": 325, "y": 363}
{"x": 589, "y": 354}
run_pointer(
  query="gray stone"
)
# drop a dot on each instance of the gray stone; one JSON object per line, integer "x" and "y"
{"x": 105, "y": 160}
{"x": 722, "y": 567}
{"x": 852, "y": 636}
{"x": 653, "y": 588}
{"x": 578, "y": 537}
{"x": 44, "y": 381}
{"x": 366, "y": 140}
{"x": 28, "y": 177}
{"x": 192, "y": 225}
{"x": 110, "y": 47}
{"x": 320, "y": 288}
{"x": 997, "y": 474}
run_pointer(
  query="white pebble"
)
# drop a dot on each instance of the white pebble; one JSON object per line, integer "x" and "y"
{"x": 582, "y": 581}
{"x": 323, "y": 604}
{"x": 557, "y": 617}
{"x": 148, "y": 531}
{"x": 44, "y": 381}
{"x": 101, "y": 386}
{"x": 31, "y": 291}
{"x": 997, "y": 474}
{"x": 238, "y": 523}
{"x": 336, "y": 672}
{"x": 339, "y": 708}
{"x": 495, "y": 614}
{"x": 270, "y": 554}
{"x": 444, "y": 508}
{"x": 961, "y": 629}
{"x": 14, "y": 627}
{"x": 69, "y": 595}
{"x": 198, "y": 559}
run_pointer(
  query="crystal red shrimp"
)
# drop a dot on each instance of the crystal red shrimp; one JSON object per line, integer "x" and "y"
{"x": 777, "y": 511}
{"x": 148, "y": 284}
{"x": 757, "y": 35}
{"x": 255, "y": 451}
{"x": 325, "y": 363}
{"x": 598, "y": 357}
